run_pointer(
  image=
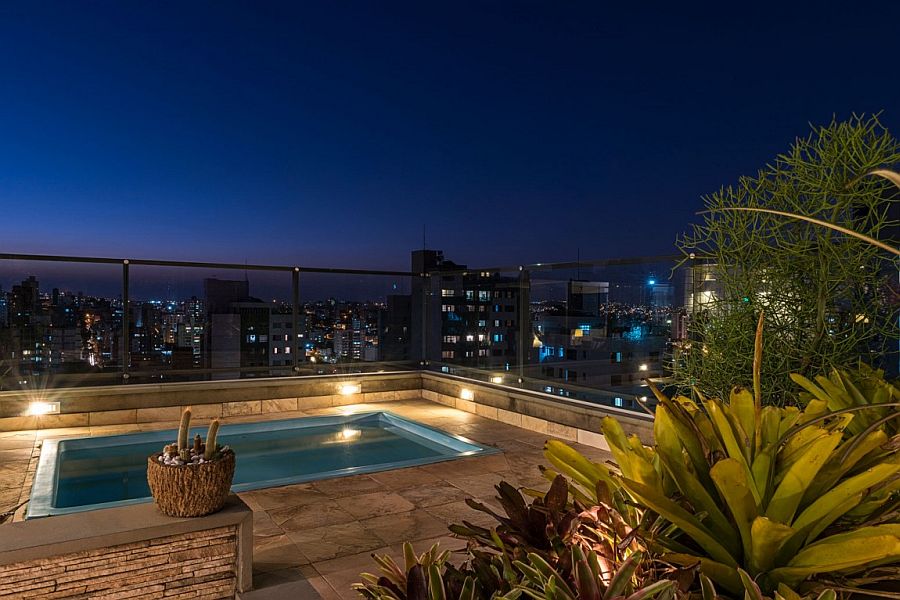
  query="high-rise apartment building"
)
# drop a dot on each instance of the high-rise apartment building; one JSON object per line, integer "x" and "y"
{"x": 467, "y": 318}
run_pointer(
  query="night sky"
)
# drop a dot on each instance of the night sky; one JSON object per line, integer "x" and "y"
{"x": 328, "y": 133}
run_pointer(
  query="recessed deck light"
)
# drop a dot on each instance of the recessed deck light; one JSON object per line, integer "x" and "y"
{"x": 467, "y": 394}
{"x": 43, "y": 408}
{"x": 348, "y": 389}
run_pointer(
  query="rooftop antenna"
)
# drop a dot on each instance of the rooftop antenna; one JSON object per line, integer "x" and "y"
{"x": 578, "y": 263}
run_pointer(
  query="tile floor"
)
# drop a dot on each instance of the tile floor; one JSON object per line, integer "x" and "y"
{"x": 326, "y": 531}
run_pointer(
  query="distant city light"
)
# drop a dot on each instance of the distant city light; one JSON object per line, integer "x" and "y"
{"x": 651, "y": 282}
{"x": 643, "y": 367}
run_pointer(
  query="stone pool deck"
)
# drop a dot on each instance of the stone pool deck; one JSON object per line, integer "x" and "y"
{"x": 324, "y": 532}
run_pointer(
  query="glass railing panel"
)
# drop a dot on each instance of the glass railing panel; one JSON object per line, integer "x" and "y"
{"x": 355, "y": 323}
{"x": 604, "y": 327}
{"x": 60, "y": 324}
{"x": 197, "y": 323}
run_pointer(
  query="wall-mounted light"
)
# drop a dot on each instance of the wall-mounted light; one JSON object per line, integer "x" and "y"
{"x": 467, "y": 394}
{"x": 348, "y": 389}
{"x": 43, "y": 408}
{"x": 497, "y": 379}
{"x": 642, "y": 367}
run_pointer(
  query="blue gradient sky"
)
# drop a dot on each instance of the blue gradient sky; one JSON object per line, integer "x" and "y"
{"x": 327, "y": 133}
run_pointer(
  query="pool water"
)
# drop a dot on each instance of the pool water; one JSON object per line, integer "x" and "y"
{"x": 99, "y": 472}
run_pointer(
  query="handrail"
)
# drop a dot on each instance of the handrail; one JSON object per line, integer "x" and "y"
{"x": 206, "y": 265}
{"x": 601, "y": 262}
{"x": 606, "y": 262}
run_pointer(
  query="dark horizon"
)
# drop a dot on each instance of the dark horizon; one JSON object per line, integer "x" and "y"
{"x": 514, "y": 133}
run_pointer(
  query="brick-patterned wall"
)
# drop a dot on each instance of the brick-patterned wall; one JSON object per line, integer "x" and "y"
{"x": 197, "y": 565}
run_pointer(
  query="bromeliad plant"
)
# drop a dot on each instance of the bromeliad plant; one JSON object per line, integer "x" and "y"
{"x": 862, "y": 392}
{"x": 547, "y": 530}
{"x": 785, "y": 495}
{"x": 432, "y": 577}
{"x": 550, "y": 548}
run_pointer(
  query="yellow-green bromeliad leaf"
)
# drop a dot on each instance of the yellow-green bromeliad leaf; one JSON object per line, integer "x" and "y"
{"x": 723, "y": 575}
{"x": 767, "y": 537}
{"x": 800, "y": 474}
{"x": 735, "y": 489}
{"x": 634, "y": 460}
{"x": 669, "y": 450}
{"x": 846, "y": 553}
{"x": 688, "y": 523}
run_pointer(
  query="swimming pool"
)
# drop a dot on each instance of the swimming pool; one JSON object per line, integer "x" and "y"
{"x": 78, "y": 474}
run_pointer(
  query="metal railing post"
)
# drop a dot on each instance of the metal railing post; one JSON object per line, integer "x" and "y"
{"x": 126, "y": 322}
{"x": 295, "y": 317}
{"x": 426, "y": 304}
{"x": 524, "y": 320}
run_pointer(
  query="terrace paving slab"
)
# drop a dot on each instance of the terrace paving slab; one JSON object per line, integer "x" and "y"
{"x": 323, "y": 533}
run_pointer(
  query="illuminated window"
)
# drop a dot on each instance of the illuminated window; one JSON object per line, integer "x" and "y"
{"x": 447, "y": 293}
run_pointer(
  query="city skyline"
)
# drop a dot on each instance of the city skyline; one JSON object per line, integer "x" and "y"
{"x": 328, "y": 136}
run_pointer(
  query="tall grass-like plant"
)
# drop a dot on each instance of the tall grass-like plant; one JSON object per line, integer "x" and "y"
{"x": 818, "y": 275}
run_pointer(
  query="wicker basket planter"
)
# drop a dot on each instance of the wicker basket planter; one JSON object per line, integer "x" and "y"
{"x": 191, "y": 490}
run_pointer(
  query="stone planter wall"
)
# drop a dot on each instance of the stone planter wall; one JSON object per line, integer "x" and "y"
{"x": 146, "y": 403}
{"x": 128, "y": 552}
{"x": 573, "y": 420}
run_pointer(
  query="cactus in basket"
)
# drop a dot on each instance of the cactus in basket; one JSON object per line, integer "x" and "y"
{"x": 183, "y": 429}
{"x": 191, "y": 479}
{"x": 211, "y": 446}
{"x": 183, "y": 453}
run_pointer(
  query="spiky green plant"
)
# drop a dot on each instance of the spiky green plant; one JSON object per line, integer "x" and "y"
{"x": 854, "y": 390}
{"x": 592, "y": 582}
{"x": 782, "y": 494}
{"x": 797, "y": 241}
{"x": 428, "y": 576}
{"x": 499, "y": 561}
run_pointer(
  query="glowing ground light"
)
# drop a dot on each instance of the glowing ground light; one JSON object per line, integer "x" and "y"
{"x": 43, "y": 408}
{"x": 348, "y": 389}
{"x": 467, "y": 394}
